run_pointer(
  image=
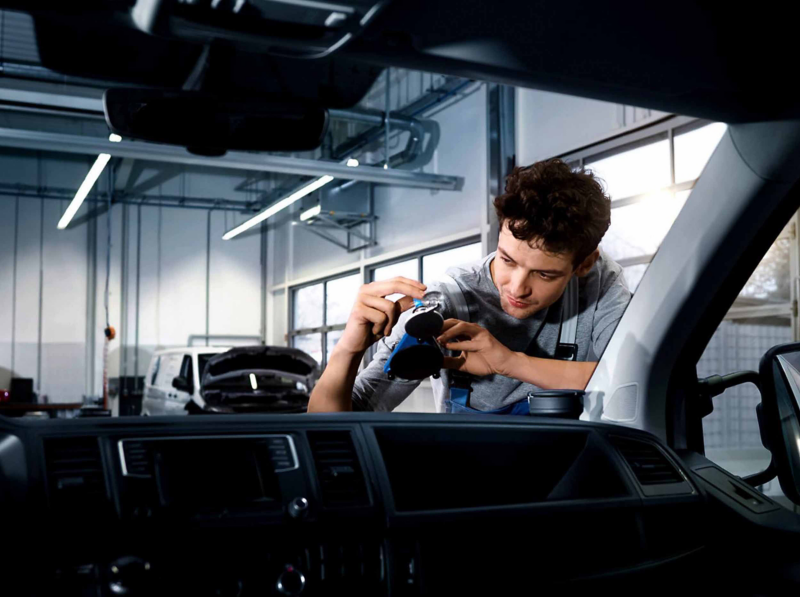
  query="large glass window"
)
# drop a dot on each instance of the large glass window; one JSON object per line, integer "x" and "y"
{"x": 319, "y": 314}
{"x": 693, "y": 150}
{"x": 309, "y": 310}
{"x": 339, "y": 297}
{"x": 761, "y": 317}
{"x": 435, "y": 265}
{"x": 635, "y": 171}
{"x": 649, "y": 182}
{"x": 407, "y": 269}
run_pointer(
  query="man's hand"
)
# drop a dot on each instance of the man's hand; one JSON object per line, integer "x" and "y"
{"x": 481, "y": 353}
{"x": 373, "y": 316}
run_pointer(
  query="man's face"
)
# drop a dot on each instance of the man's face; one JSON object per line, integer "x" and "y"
{"x": 528, "y": 278}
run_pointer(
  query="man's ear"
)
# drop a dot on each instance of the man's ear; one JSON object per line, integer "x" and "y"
{"x": 587, "y": 264}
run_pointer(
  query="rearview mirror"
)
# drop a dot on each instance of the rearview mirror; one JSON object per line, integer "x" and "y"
{"x": 779, "y": 373}
{"x": 208, "y": 125}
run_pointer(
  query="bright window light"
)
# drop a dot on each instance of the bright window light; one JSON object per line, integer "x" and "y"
{"x": 310, "y": 213}
{"x": 279, "y": 206}
{"x": 635, "y": 172}
{"x": 352, "y": 162}
{"x": 83, "y": 191}
{"x": 253, "y": 383}
{"x": 114, "y": 138}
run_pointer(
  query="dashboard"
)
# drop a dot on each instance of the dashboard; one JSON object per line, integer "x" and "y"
{"x": 357, "y": 504}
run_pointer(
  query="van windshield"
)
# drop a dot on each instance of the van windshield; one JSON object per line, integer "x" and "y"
{"x": 163, "y": 253}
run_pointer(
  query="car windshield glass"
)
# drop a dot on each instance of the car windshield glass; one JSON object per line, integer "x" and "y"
{"x": 123, "y": 258}
{"x": 202, "y": 360}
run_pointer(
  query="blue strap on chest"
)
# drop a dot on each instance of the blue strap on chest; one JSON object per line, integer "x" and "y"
{"x": 460, "y": 395}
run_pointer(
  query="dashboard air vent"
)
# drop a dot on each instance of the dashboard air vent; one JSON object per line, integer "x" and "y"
{"x": 137, "y": 460}
{"x": 648, "y": 463}
{"x": 340, "y": 475}
{"x": 75, "y": 473}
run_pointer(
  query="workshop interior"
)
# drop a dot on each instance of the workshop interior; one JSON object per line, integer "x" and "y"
{"x": 194, "y": 195}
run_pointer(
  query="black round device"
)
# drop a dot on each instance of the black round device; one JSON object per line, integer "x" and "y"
{"x": 417, "y": 362}
{"x": 560, "y": 404}
{"x": 424, "y": 323}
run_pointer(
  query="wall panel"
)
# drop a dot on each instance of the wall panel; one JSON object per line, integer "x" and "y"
{"x": 7, "y": 222}
{"x": 235, "y": 281}
{"x": 63, "y": 308}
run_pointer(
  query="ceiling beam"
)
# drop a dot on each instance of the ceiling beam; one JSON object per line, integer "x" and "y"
{"x": 84, "y": 145}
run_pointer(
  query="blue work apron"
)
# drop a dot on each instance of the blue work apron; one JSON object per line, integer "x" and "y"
{"x": 457, "y": 403}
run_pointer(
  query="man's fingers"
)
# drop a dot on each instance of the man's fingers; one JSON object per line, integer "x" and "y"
{"x": 454, "y": 362}
{"x": 460, "y": 328}
{"x": 468, "y": 345}
{"x": 376, "y": 317}
{"x": 405, "y": 303}
{"x": 381, "y": 304}
{"x": 393, "y": 317}
{"x": 395, "y": 285}
{"x": 416, "y": 283}
{"x": 449, "y": 323}
{"x": 383, "y": 327}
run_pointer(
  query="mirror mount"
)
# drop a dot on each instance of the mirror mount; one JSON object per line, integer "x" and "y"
{"x": 715, "y": 385}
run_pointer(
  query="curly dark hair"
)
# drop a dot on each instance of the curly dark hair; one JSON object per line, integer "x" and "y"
{"x": 562, "y": 210}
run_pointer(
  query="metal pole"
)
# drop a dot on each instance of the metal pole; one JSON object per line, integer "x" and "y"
{"x": 14, "y": 290}
{"x": 794, "y": 274}
{"x": 386, "y": 119}
{"x": 263, "y": 282}
{"x": 208, "y": 274}
{"x": 123, "y": 303}
{"x": 138, "y": 278}
{"x": 41, "y": 289}
{"x": 91, "y": 303}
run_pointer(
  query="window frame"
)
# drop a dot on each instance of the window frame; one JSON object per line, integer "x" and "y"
{"x": 679, "y": 423}
{"x": 669, "y": 128}
{"x": 369, "y": 272}
{"x": 665, "y": 130}
{"x": 154, "y": 373}
{"x": 324, "y": 328}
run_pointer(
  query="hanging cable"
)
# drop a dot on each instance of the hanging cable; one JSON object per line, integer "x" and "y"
{"x": 109, "y": 331}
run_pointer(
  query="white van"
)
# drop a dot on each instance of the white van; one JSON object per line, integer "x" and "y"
{"x": 173, "y": 379}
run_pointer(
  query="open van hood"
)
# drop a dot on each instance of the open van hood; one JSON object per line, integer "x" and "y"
{"x": 258, "y": 379}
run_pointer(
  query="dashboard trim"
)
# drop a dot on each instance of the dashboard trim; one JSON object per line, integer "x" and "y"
{"x": 292, "y": 448}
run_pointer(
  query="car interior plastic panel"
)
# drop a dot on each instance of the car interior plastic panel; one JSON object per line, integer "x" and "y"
{"x": 364, "y": 503}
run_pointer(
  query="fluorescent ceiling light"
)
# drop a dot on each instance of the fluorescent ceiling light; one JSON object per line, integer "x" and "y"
{"x": 83, "y": 191}
{"x": 114, "y": 138}
{"x": 276, "y": 207}
{"x": 253, "y": 383}
{"x": 352, "y": 162}
{"x": 310, "y": 213}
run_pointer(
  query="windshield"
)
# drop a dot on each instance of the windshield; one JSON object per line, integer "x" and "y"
{"x": 107, "y": 300}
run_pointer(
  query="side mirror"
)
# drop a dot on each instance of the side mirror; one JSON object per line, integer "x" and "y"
{"x": 182, "y": 384}
{"x": 779, "y": 372}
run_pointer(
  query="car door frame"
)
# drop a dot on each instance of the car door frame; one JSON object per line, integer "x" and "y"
{"x": 704, "y": 261}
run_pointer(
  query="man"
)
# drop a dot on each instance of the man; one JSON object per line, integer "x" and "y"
{"x": 551, "y": 222}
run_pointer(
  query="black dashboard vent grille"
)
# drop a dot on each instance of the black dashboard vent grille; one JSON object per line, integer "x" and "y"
{"x": 138, "y": 462}
{"x": 648, "y": 463}
{"x": 340, "y": 475}
{"x": 75, "y": 473}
